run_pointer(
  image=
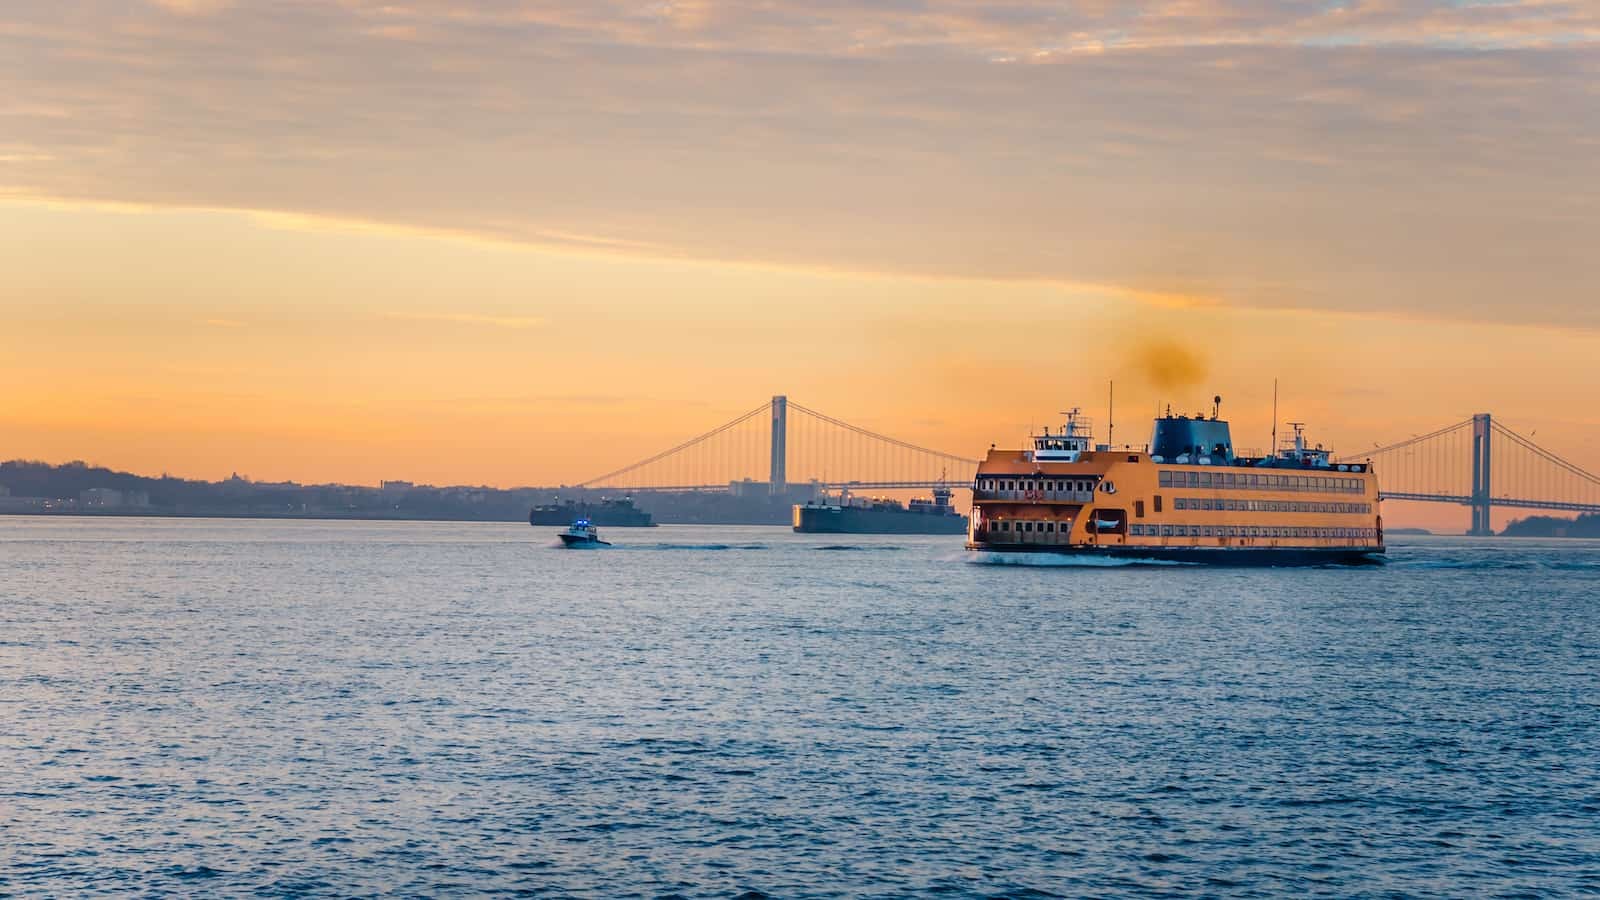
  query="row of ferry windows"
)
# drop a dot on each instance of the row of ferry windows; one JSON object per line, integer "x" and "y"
{"x": 1034, "y": 484}
{"x": 1247, "y": 531}
{"x": 1252, "y": 481}
{"x": 1226, "y": 505}
{"x": 1028, "y": 525}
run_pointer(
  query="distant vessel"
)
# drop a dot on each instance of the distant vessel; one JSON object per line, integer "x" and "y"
{"x": 1187, "y": 497}
{"x": 879, "y": 516}
{"x": 610, "y": 513}
{"x": 582, "y": 535}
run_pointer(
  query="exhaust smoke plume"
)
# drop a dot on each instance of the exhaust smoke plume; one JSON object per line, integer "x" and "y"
{"x": 1168, "y": 365}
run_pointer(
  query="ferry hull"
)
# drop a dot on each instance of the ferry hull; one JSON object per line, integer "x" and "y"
{"x": 1215, "y": 556}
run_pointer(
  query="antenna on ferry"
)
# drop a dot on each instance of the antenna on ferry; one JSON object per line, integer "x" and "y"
{"x": 1273, "y": 450}
{"x": 1111, "y": 405}
{"x": 1216, "y": 407}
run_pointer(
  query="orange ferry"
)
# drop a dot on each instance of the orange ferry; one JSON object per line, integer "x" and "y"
{"x": 1186, "y": 497}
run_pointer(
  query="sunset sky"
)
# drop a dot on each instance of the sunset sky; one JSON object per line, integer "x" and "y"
{"x": 511, "y": 243}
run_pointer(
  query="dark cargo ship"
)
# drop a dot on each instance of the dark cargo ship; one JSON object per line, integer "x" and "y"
{"x": 607, "y": 513}
{"x": 878, "y": 516}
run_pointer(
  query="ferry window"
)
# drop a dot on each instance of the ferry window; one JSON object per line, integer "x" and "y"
{"x": 1138, "y": 509}
{"x": 1164, "y": 479}
{"x": 1194, "y": 479}
{"x": 1133, "y": 457}
{"x": 1180, "y": 503}
{"x": 1166, "y": 531}
{"x": 1205, "y": 479}
{"x": 1158, "y": 503}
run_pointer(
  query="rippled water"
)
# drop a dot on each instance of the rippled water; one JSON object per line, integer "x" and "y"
{"x": 287, "y": 707}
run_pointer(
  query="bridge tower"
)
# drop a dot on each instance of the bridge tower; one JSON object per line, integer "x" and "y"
{"x": 1482, "y": 429}
{"x": 778, "y": 476}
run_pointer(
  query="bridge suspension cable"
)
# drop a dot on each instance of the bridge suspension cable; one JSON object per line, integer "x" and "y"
{"x": 838, "y": 423}
{"x": 1546, "y": 455}
{"x": 1419, "y": 439}
{"x": 811, "y": 447}
{"x": 672, "y": 451}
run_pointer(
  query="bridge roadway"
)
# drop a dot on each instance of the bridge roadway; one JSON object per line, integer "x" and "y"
{"x": 826, "y": 485}
{"x": 1461, "y": 499}
{"x": 1467, "y": 500}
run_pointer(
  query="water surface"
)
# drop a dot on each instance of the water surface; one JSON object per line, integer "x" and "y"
{"x": 227, "y": 707}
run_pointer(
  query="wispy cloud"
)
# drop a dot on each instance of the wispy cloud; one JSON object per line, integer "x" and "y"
{"x": 1435, "y": 157}
{"x": 514, "y": 322}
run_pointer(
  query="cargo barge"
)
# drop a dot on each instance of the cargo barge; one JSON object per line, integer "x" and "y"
{"x": 847, "y": 515}
{"x": 607, "y": 513}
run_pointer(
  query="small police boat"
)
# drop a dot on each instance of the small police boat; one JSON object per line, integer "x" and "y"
{"x": 582, "y": 535}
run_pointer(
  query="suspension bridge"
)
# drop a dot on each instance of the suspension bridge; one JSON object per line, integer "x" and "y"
{"x": 781, "y": 444}
{"x": 1482, "y": 464}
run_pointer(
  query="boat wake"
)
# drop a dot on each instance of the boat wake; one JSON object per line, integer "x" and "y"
{"x": 695, "y": 546}
{"x": 1045, "y": 560}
